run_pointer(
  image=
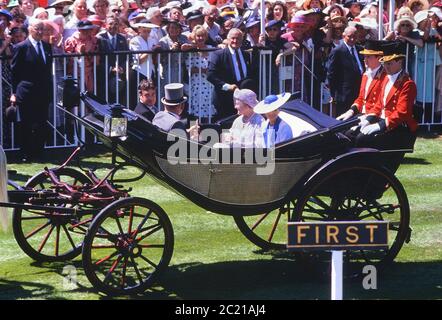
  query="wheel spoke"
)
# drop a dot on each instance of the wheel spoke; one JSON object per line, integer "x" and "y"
{"x": 137, "y": 271}
{"x": 69, "y": 237}
{"x": 261, "y": 219}
{"x": 57, "y": 241}
{"x": 106, "y": 258}
{"x": 43, "y": 243}
{"x": 272, "y": 232}
{"x": 140, "y": 226}
{"x": 159, "y": 227}
{"x": 112, "y": 269}
{"x": 38, "y": 229}
{"x": 148, "y": 261}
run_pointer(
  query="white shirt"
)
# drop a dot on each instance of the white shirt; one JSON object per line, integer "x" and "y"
{"x": 370, "y": 76}
{"x": 247, "y": 134}
{"x": 391, "y": 80}
{"x": 35, "y": 45}
{"x": 138, "y": 44}
{"x": 213, "y": 31}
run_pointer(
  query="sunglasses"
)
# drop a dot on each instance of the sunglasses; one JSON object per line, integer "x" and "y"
{"x": 116, "y": 10}
{"x": 406, "y": 25}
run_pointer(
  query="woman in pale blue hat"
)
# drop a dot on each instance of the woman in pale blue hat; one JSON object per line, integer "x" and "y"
{"x": 280, "y": 126}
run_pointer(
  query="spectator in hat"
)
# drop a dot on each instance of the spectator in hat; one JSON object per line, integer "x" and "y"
{"x": 280, "y": 126}
{"x": 40, "y": 13}
{"x": 228, "y": 68}
{"x": 246, "y": 130}
{"x": 176, "y": 13}
{"x": 313, "y": 4}
{"x": 354, "y": 8}
{"x": 59, "y": 6}
{"x": 147, "y": 103}
{"x": 417, "y": 5}
{"x": 18, "y": 34}
{"x": 201, "y": 90}
{"x": 82, "y": 41}
{"x": 143, "y": 66}
{"x": 345, "y": 71}
{"x": 210, "y": 16}
{"x": 253, "y": 32}
{"x": 79, "y": 13}
{"x": 193, "y": 18}
{"x": 97, "y": 21}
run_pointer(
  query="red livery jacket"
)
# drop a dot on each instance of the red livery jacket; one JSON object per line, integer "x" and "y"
{"x": 399, "y": 103}
{"x": 373, "y": 95}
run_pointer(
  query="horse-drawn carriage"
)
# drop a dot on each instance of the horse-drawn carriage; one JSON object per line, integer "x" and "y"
{"x": 127, "y": 242}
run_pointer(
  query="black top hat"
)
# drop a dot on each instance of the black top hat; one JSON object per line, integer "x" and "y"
{"x": 393, "y": 50}
{"x": 373, "y": 47}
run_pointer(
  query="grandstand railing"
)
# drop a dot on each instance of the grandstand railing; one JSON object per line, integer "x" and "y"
{"x": 296, "y": 73}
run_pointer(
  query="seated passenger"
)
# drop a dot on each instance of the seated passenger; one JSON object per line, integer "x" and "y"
{"x": 280, "y": 126}
{"x": 174, "y": 103}
{"x": 246, "y": 129}
{"x": 147, "y": 100}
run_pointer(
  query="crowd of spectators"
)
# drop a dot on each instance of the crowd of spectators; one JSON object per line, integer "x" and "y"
{"x": 299, "y": 28}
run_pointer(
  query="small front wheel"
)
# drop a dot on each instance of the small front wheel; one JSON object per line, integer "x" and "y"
{"x": 128, "y": 245}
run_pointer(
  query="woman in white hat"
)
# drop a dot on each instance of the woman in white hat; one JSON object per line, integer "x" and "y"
{"x": 280, "y": 126}
{"x": 143, "y": 64}
{"x": 246, "y": 129}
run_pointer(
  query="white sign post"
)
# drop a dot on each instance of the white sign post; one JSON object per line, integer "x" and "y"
{"x": 336, "y": 275}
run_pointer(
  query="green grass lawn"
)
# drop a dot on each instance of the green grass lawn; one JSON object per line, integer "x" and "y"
{"x": 213, "y": 260}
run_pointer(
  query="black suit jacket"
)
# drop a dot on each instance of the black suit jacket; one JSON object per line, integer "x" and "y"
{"x": 105, "y": 46}
{"x": 222, "y": 71}
{"x": 32, "y": 79}
{"x": 343, "y": 74}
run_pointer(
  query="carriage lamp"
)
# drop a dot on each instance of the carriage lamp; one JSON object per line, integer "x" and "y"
{"x": 115, "y": 124}
{"x": 68, "y": 92}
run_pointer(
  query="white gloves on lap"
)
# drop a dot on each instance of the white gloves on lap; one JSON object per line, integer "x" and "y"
{"x": 371, "y": 128}
{"x": 346, "y": 115}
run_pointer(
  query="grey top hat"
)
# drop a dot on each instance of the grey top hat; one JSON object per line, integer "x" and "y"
{"x": 173, "y": 94}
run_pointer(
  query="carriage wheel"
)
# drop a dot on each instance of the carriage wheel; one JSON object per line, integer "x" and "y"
{"x": 268, "y": 230}
{"x": 128, "y": 245}
{"x": 356, "y": 194}
{"x": 50, "y": 238}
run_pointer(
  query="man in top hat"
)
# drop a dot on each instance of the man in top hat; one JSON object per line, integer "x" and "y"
{"x": 174, "y": 103}
{"x": 393, "y": 124}
{"x": 372, "y": 79}
{"x": 280, "y": 126}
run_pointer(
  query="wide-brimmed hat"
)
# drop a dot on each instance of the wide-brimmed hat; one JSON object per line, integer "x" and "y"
{"x": 271, "y": 103}
{"x": 86, "y": 25}
{"x": 173, "y": 94}
{"x": 273, "y": 23}
{"x": 145, "y": 24}
{"x": 437, "y": 11}
{"x": 339, "y": 19}
{"x": 411, "y": 20}
{"x": 393, "y": 50}
{"x": 296, "y": 22}
{"x": 326, "y": 10}
{"x": 366, "y": 23}
{"x": 349, "y": 3}
{"x": 247, "y": 96}
{"x": 252, "y": 22}
{"x": 421, "y": 16}
{"x": 373, "y": 48}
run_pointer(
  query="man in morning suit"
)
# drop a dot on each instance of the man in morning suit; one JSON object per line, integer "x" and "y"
{"x": 344, "y": 72}
{"x": 228, "y": 68}
{"x": 32, "y": 89}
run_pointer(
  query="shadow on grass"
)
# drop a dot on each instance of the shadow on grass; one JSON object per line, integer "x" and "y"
{"x": 13, "y": 290}
{"x": 412, "y": 160}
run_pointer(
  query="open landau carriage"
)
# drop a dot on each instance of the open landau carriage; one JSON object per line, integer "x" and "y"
{"x": 127, "y": 242}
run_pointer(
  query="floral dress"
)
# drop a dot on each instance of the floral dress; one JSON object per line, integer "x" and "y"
{"x": 200, "y": 95}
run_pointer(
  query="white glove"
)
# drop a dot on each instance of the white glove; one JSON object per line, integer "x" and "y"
{"x": 363, "y": 122}
{"x": 346, "y": 115}
{"x": 371, "y": 129}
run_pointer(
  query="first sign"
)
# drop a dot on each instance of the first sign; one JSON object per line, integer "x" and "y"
{"x": 338, "y": 235}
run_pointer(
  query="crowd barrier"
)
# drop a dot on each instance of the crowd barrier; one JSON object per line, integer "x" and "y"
{"x": 297, "y": 72}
